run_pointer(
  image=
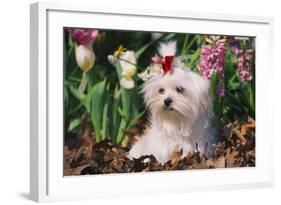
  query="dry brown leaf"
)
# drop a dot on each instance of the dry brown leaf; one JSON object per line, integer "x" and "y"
{"x": 243, "y": 130}
{"x": 236, "y": 148}
{"x": 220, "y": 162}
{"x": 251, "y": 123}
{"x": 77, "y": 170}
{"x": 176, "y": 156}
{"x": 240, "y": 136}
{"x": 251, "y": 153}
{"x": 230, "y": 157}
{"x": 210, "y": 163}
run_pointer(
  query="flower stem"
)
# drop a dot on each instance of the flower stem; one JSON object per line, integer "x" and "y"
{"x": 83, "y": 84}
{"x": 191, "y": 43}
{"x": 185, "y": 44}
{"x": 131, "y": 63}
{"x": 71, "y": 49}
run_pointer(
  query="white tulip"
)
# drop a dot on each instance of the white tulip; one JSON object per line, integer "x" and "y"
{"x": 85, "y": 57}
{"x": 127, "y": 83}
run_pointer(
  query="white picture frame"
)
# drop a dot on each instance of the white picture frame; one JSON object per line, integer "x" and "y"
{"x": 47, "y": 182}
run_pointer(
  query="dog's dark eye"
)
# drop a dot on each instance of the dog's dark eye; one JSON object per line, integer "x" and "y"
{"x": 179, "y": 89}
{"x": 161, "y": 90}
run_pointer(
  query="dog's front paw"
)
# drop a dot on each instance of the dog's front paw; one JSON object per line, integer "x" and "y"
{"x": 135, "y": 152}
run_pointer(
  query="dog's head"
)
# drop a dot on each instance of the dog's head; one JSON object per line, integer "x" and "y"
{"x": 180, "y": 93}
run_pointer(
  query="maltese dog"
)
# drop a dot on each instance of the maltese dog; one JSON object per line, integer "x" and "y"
{"x": 179, "y": 103}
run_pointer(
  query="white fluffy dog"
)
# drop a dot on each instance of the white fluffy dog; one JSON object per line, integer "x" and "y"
{"x": 179, "y": 102}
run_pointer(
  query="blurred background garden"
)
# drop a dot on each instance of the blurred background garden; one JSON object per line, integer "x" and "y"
{"x": 104, "y": 71}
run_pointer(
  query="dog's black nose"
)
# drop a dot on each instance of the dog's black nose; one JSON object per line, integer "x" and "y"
{"x": 168, "y": 102}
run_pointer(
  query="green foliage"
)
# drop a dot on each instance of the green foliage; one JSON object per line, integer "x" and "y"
{"x": 99, "y": 108}
{"x": 113, "y": 110}
{"x": 74, "y": 124}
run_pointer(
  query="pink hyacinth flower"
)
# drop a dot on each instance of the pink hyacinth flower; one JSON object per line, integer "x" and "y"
{"x": 220, "y": 90}
{"x": 234, "y": 45}
{"x": 83, "y": 36}
{"x": 244, "y": 65}
{"x": 212, "y": 58}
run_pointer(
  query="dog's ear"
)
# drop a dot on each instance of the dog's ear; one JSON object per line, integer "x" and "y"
{"x": 147, "y": 91}
{"x": 150, "y": 88}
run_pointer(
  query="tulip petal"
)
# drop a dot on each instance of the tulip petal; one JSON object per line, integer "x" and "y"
{"x": 127, "y": 83}
{"x": 85, "y": 57}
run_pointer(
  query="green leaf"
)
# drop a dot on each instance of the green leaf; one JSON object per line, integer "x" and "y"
{"x": 184, "y": 44}
{"x": 97, "y": 105}
{"x": 142, "y": 49}
{"x": 115, "y": 119}
{"x": 194, "y": 57}
{"x": 125, "y": 141}
{"x": 214, "y": 83}
{"x": 233, "y": 101}
{"x": 81, "y": 97}
{"x": 126, "y": 103}
{"x": 121, "y": 130}
{"x": 191, "y": 43}
{"x": 71, "y": 49}
{"x": 251, "y": 99}
{"x": 121, "y": 113}
{"x": 104, "y": 131}
{"x": 136, "y": 119}
{"x": 233, "y": 85}
{"x": 65, "y": 97}
{"x": 74, "y": 124}
{"x": 167, "y": 37}
{"x": 106, "y": 116}
{"x": 76, "y": 93}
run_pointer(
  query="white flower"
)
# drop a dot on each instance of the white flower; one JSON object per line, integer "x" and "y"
{"x": 112, "y": 59}
{"x": 127, "y": 62}
{"x": 152, "y": 70}
{"x": 85, "y": 57}
{"x": 127, "y": 83}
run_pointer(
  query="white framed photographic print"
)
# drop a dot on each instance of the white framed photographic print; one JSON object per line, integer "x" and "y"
{"x": 130, "y": 101}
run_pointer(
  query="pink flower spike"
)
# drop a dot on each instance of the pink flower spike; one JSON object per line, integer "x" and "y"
{"x": 212, "y": 58}
{"x": 83, "y": 36}
{"x": 220, "y": 90}
{"x": 234, "y": 45}
{"x": 244, "y": 65}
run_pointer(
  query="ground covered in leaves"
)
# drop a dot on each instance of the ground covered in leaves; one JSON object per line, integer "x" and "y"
{"x": 83, "y": 156}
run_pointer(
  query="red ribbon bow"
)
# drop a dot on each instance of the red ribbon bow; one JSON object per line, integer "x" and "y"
{"x": 166, "y": 64}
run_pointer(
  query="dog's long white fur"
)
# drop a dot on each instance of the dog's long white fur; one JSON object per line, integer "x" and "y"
{"x": 187, "y": 125}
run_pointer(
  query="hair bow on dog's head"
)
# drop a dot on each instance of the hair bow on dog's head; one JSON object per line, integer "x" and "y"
{"x": 166, "y": 64}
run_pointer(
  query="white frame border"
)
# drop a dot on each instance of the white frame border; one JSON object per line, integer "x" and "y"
{"x": 38, "y": 83}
